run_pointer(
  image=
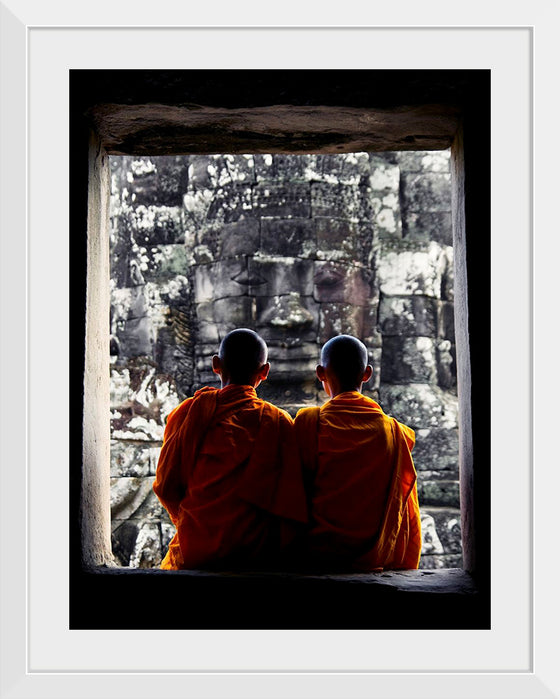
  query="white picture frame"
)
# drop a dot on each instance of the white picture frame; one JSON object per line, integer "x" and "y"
{"x": 37, "y": 647}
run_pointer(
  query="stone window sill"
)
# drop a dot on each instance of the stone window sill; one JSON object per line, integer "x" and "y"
{"x": 158, "y": 599}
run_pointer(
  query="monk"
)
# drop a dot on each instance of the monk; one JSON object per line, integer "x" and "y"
{"x": 359, "y": 472}
{"x": 228, "y": 473}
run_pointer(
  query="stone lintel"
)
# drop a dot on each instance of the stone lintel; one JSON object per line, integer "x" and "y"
{"x": 159, "y": 129}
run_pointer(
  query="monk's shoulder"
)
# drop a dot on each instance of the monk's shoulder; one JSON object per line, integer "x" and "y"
{"x": 179, "y": 413}
{"x": 304, "y": 415}
{"x": 284, "y": 417}
{"x": 302, "y": 412}
{"x": 405, "y": 432}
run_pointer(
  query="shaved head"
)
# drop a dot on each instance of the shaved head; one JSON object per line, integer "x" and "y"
{"x": 347, "y": 358}
{"x": 242, "y": 353}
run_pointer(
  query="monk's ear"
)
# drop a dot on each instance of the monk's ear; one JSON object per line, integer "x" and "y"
{"x": 216, "y": 365}
{"x": 368, "y": 373}
{"x": 320, "y": 371}
{"x": 263, "y": 371}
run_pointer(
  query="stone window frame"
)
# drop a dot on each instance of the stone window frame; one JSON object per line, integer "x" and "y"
{"x": 112, "y": 128}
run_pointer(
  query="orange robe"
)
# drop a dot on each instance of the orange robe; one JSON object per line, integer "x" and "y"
{"x": 230, "y": 478}
{"x": 361, "y": 484}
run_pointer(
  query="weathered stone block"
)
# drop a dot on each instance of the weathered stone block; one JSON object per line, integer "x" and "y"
{"x": 338, "y": 236}
{"x": 166, "y": 262}
{"x": 137, "y": 427}
{"x": 207, "y": 332}
{"x": 147, "y": 551}
{"x": 423, "y": 161}
{"x": 446, "y": 321}
{"x": 173, "y": 353}
{"x": 428, "y": 225}
{"x": 408, "y": 316}
{"x": 196, "y": 205}
{"x": 205, "y": 311}
{"x": 346, "y": 168}
{"x": 293, "y": 201}
{"x": 436, "y": 449}
{"x": 135, "y": 338}
{"x": 236, "y": 311}
{"x": 292, "y": 168}
{"x": 340, "y": 318}
{"x": 157, "y": 180}
{"x": 264, "y": 167}
{"x": 295, "y": 362}
{"x": 239, "y": 238}
{"x": 448, "y": 526}
{"x": 211, "y": 171}
{"x": 132, "y": 460}
{"x": 238, "y": 168}
{"x": 220, "y": 280}
{"x": 202, "y": 354}
{"x": 289, "y": 238}
{"x": 446, "y": 365}
{"x": 157, "y": 225}
{"x": 127, "y": 495}
{"x": 408, "y": 359}
{"x": 448, "y": 276}
{"x": 175, "y": 292}
{"x": 203, "y": 172}
{"x": 139, "y": 399}
{"x": 440, "y": 493}
{"x": 340, "y": 201}
{"x": 275, "y": 276}
{"x": 413, "y": 271}
{"x": 291, "y": 318}
{"x": 447, "y": 474}
{"x": 120, "y": 254}
{"x": 420, "y": 405}
{"x": 435, "y": 562}
{"x": 425, "y": 192}
{"x": 137, "y": 264}
{"x": 123, "y": 539}
{"x": 127, "y": 303}
{"x": 431, "y": 543}
{"x": 388, "y": 218}
{"x": 384, "y": 177}
{"x": 204, "y": 252}
{"x": 230, "y": 203}
{"x": 336, "y": 282}
{"x": 286, "y": 394}
{"x": 371, "y": 337}
{"x": 374, "y": 358}
{"x": 150, "y": 509}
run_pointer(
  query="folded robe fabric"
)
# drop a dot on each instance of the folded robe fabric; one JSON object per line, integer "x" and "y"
{"x": 361, "y": 485}
{"x": 230, "y": 478}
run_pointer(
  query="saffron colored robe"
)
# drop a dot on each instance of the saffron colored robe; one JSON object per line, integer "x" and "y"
{"x": 361, "y": 484}
{"x": 230, "y": 478}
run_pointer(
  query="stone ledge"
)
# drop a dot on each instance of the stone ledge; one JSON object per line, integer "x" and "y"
{"x": 446, "y": 581}
{"x": 252, "y": 600}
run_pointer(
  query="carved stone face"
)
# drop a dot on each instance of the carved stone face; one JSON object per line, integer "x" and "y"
{"x": 295, "y": 303}
{"x": 283, "y": 245}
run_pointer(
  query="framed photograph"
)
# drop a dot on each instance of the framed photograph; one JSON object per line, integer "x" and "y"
{"x": 41, "y": 654}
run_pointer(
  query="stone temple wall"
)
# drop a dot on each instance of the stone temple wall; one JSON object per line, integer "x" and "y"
{"x": 300, "y": 248}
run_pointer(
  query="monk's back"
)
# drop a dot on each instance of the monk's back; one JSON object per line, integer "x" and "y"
{"x": 355, "y": 454}
{"x": 232, "y": 484}
{"x": 350, "y": 475}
